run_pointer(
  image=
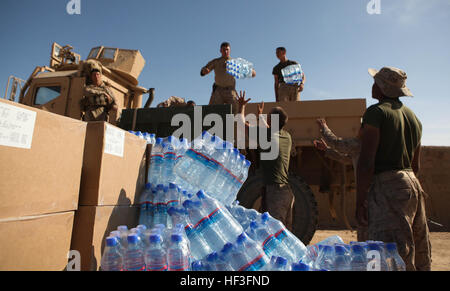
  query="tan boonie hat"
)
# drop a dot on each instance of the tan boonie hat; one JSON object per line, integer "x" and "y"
{"x": 392, "y": 81}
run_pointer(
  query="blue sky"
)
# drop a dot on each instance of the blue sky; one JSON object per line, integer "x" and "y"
{"x": 335, "y": 41}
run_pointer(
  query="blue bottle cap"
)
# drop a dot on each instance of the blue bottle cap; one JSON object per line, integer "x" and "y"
{"x": 227, "y": 247}
{"x": 247, "y": 163}
{"x": 176, "y": 238}
{"x": 281, "y": 261}
{"x": 130, "y": 131}
{"x": 242, "y": 156}
{"x": 170, "y": 139}
{"x": 236, "y": 152}
{"x": 391, "y": 246}
{"x": 159, "y": 141}
{"x": 265, "y": 216}
{"x": 340, "y": 250}
{"x": 159, "y": 187}
{"x": 171, "y": 211}
{"x": 374, "y": 247}
{"x": 327, "y": 248}
{"x": 357, "y": 249}
{"x": 152, "y": 135}
{"x": 165, "y": 189}
{"x": 111, "y": 241}
{"x": 253, "y": 225}
{"x": 187, "y": 203}
{"x": 197, "y": 266}
{"x": 132, "y": 238}
{"x": 241, "y": 238}
{"x": 172, "y": 186}
{"x": 212, "y": 257}
{"x": 300, "y": 267}
{"x": 148, "y": 186}
{"x": 201, "y": 194}
{"x": 155, "y": 238}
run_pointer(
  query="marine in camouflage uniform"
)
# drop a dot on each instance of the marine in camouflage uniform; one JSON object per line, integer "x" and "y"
{"x": 389, "y": 197}
{"x": 98, "y": 100}
{"x": 345, "y": 151}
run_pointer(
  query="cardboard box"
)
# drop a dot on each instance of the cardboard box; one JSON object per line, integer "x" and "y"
{"x": 36, "y": 243}
{"x": 92, "y": 226}
{"x": 41, "y": 155}
{"x": 113, "y": 166}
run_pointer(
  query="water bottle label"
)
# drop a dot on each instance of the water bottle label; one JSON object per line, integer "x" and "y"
{"x": 170, "y": 155}
{"x": 189, "y": 229}
{"x": 202, "y": 224}
{"x": 216, "y": 215}
{"x": 184, "y": 267}
{"x": 281, "y": 234}
{"x": 172, "y": 203}
{"x": 256, "y": 264}
{"x": 136, "y": 269}
{"x": 270, "y": 244}
{"x": 163, "y": 268}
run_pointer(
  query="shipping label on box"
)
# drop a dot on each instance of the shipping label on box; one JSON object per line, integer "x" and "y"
{"x": 16, "y": 126}
{"x": 114, "y": 141}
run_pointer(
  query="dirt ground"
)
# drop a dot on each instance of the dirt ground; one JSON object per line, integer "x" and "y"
{"x": 440, "y": 245}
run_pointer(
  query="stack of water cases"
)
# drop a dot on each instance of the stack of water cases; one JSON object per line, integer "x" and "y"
{"x": 292, "y": 74}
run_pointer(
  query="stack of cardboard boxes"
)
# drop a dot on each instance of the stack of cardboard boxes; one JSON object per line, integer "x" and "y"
{"x": 112, "y": 179}
{"x": 64, "y": 186}
{"x": 41, "y": 157}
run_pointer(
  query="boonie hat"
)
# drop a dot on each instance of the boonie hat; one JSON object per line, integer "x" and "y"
{"x": 392, "y": 81}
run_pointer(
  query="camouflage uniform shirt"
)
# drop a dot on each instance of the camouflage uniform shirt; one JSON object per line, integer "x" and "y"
{"x": 95, "y": 104}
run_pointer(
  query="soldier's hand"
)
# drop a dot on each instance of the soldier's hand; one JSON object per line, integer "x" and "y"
{"x": 301, "y": 87}
{"x": 320, "y": 144}
{"x": 241, "y": 99}
{"x": 253, "y": 73}
{"x": 260, "y": 108}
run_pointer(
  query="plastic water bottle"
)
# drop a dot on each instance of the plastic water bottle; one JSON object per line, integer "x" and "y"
{"x": 170, "y": 155}
{"x": 269, "y": 243}
{"x": 292, "y": 74}
{"x": 237, "y": 258}
{"x": 134, "y": 255}
{"x": 204, "y": 226}
{"x": 326, "y": 259}
{"x": 198, "y": 265}
{"x": 160, "y": 206}
{"x": 140, "y": 237}
{"x": 156, "y": 163}
{"x": 145, "y": 208}
{"x": 300, "y": 267}
{"x": 123, "y": 229}
{"x": 155, "y": 255}
{"x": 279, "y": 264}
{"x": 393, "y": 259}
{"x": 257, "y": 258}
{"x": 112, "y": 259}
{"x": 342, "y": 259}
{"x": 220, "y": 216}
{"x": 121, "y": 247}
{"x": 298, "y": 249}
{"x": 178, "y": 254}
{"x": 358, "y": 259}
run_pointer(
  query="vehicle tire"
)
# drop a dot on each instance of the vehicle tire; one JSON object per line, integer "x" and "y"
{"x": 305, "y": 213}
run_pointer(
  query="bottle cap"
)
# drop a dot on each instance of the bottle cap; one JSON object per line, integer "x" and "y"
{"x": 159, "y": 187}
{"x": 171, "y": 211}
{"x": 281, "y": 261}
{"x": 197, "y": 266}
{"x": 201, "y": 194}
{"x": 340, "y": 250}
{"x": 327, "y": 248}
{"x": 247, "y": 163}
{"x": 357, "y": 249}
{"x": 300, "y": 267}
{"x": 155, "y": 238}
{"x": 132, "y": 238}
{"x": 176, "y": 238}
{"x": 374, "y": 247}
{"x": 391, "y": 246}
{"x": 227, "y": 247}
{"x": 159, "y": 141}
{"x": 111, "y": 241}
{"x": 115, "y": 233}
{"x": 212, "y": 257}
{"x": 148, "y": 186}
{"x": 265, "y": 216}
{"x": 141, "y": 227}
{"x": 172, "y": 186}
{"x": 165, "y": 189}
{"x": 253, "y": 225}
{"x": 241, "y": 238}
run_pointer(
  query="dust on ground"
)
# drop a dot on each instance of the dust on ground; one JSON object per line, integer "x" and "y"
{"x": 440, "y": 245}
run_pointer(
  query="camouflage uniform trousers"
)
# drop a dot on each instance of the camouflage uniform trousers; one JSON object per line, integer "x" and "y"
{"x": 278, "y": 200}
{"x": 396, "y": 206}
{"x": 288, "y": 92}
{"x": 225, "y": 95}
